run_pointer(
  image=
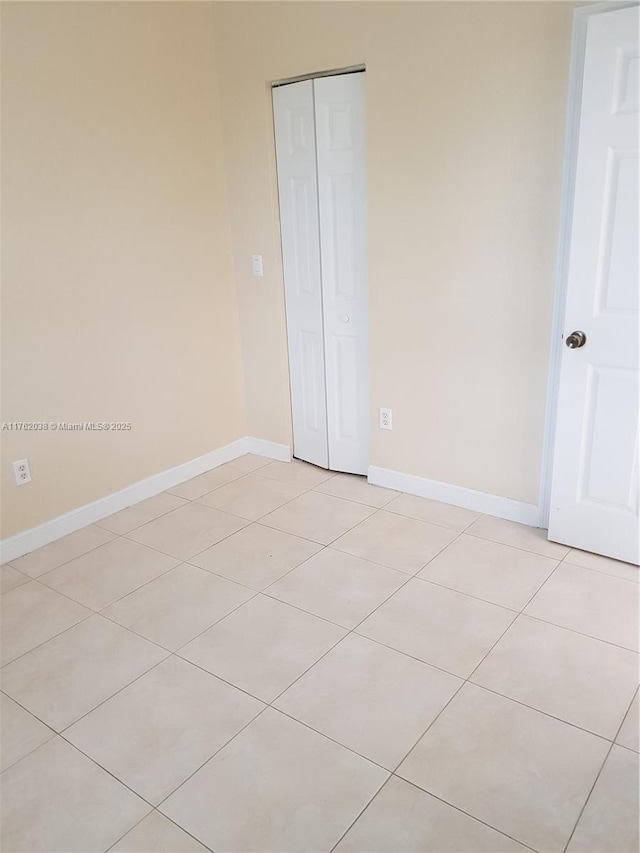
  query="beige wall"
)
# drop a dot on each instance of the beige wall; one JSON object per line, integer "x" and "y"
{"x": 139, "y": 177}
{"x": 118, "y": 297}
{"x": 465, "y": 123}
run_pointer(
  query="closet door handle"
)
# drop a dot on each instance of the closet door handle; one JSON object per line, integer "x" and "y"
{"x": 345, "y": 318}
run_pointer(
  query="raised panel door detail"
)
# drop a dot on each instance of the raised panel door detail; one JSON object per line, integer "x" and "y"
{"x": 302, "y": 195}
{"x": 339, "y": 126}
{"x": 299, "y": 124}
{"x": 618, "y": 268}
{"x": 625, "y": 99}
{"x": 341, "y": 240}
{"x": 346, "y": 361}
{"x": 610, "y": 438}
{"x": 311, "y": 367}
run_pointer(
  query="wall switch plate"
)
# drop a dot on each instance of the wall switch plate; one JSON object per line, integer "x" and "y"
{"x": 22, "y": 472}
{"x": 385, "y": 419}
{"x": 256, "y": 265}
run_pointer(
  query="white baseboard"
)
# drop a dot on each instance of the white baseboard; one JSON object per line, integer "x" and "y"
{"x": 457, "y": 495}
{"x": 23, "y": 543}
{"x": 270, "y": 449}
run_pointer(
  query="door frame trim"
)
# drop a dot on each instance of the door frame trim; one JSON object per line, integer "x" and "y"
{"x": 581, "y": 17}
{"x": 315, "y": 75}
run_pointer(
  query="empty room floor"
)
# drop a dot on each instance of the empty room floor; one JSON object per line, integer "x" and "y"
{"x": 270, "y": 657}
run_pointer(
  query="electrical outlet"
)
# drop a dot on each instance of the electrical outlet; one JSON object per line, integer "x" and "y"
{"x": 256, "y": 265}
{"x": 22, "y": 472}
{"x": 385, "y": 419}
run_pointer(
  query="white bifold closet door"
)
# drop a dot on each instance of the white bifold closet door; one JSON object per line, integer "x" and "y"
{"x": 320, "y": 147}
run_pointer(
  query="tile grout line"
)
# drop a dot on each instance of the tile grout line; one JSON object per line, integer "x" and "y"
{"x": 248, "y": 522}
{"x": 64, "y": 562}
{"x": 124, "y": 595}
{"x": 595, "y": 781}
{"x": 211, "y": 757}
{"x": 464, "y": 681}
{"x": 123, "y": 533}
{"x": 566, "y": 562}
{"x": 435, "y": 797}
{"x": 208, "y": 492}
{"x": 264, "y": 514}
{"x": 124, "y": 834}
{"x": 133, "y": 791}
{"x": 353, "y": 630}
{"x": 362, "y": 811}
{"x": 535, "y": 710}
{"x": 48, "y": 640}
{"x": 262, "y": 522}
{"x": 175, "y": 653}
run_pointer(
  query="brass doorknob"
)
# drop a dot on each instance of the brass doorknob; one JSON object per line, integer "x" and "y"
{"x": 576, "y": 340}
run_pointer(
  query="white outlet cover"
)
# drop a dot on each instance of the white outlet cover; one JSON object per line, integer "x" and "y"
{"x": 256, "y": 265}
{"x": 22, "y": 472}
{"x": 386, "y": 419}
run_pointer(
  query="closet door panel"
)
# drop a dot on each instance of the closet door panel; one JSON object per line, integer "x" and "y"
{"x": 295, "y": 136}
{"x": 340, "y": 142}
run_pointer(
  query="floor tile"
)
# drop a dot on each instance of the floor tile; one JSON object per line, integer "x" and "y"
{"x": 519, "y": 535}
{"x": 186, "y": 531}
{"x": 395, "y": 541}
{"x": 256, "y": 556}
{"x": 296, "y": 473}
{"x": 609, "y": 823}
{"x": 203, "y": 483}
{"x": 590, "y": 602}
{"x": 338, "y": 587}
{"x": 140, "y": 513}
{"x": 58, "y": 801}
{"x": 403, "y": 819}
{"x": 247, "y": 463}
{"x": 72, "y": 673}
{"x": 179, "y": 605}
{"x": 32, "y": 614}
{"x": 20, "y": 732}
{"x": 251, "y": 497}
{"x": 575, "y": 678}
{"x": 108, "y": 573}
{"x": 441, "y": 627}
{"x": 496, "y": 573}
{"x": 56, "y": 553}
{"x": 157, "y": 834}
{"x": 353, "y": 487}
{"x": 263, "y": 646}
{"x": 516, "y": 769}
{"x": 434, "y": 512}
{"x": 278, "y": 786}
{"x": 159, "y": 730}
{"x": 11, "y": 578}
{"x": 371, "y": 699}
{"x": 629, "y": 734}
{"x": 609, "y": 566}
{"x": 318, "y": 517}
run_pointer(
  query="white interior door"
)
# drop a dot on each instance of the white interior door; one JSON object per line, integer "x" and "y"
{"x": 340, "y": 145}
{"x": 294, "y": 122}
{"x": 594, "y": 497}
{"x": 320, "y": 146}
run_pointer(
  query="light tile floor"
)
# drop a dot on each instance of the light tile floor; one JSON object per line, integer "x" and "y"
{"x": 274, "y": 658}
